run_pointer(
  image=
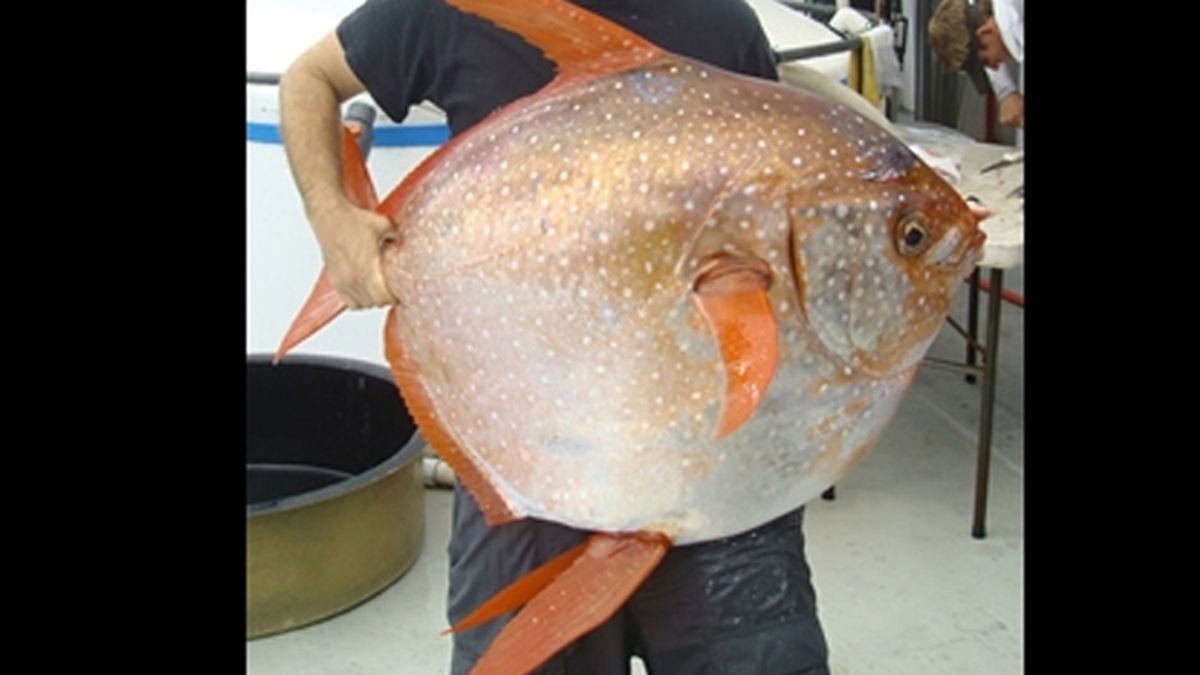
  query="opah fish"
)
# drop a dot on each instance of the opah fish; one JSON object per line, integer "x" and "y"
{"x": 656, "y": 300}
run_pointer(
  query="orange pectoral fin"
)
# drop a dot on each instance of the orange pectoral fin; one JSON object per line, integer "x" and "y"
{"x": 324, "y": 304}
{"x": 604, "y": 572}
{"x": 738, "y": 311}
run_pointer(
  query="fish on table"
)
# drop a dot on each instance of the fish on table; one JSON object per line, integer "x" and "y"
{"x": 655, "y": 300}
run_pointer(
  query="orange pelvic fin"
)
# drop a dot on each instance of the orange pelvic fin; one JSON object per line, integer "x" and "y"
{"x": 598, "y": 580}
{"x": 732, "y": 294}
{"x": 582, "y": 44}
{"x": 323, "y": 304}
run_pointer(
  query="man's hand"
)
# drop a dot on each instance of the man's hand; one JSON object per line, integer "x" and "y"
{"x": 351, "y": 238}
{"x": 351, "y": 241}
{"x": 1012, "y": 110}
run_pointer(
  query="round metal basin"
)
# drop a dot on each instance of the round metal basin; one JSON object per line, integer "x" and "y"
{"x": 335, "y": 508}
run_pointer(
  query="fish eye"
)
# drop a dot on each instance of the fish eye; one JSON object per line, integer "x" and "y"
{"x": 912, "y": 235}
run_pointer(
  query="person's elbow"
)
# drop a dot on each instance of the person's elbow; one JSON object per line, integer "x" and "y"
{"x": 321, "y": 69}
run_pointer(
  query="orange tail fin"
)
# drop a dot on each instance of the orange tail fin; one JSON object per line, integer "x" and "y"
{"x": 324, "y": 304}
{"x": 602, "y": 573}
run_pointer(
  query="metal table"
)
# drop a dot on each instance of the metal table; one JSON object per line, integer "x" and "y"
{"x": 1005, "y": 249}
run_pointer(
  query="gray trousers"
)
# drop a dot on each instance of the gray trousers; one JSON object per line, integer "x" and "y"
{"x": 737, "y": 606}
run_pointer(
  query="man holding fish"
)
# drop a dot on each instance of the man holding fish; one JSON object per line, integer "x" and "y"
{"x": 742, "y": 603}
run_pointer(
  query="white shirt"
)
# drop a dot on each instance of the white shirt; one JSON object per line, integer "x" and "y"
{"x": 1010, "y": 20}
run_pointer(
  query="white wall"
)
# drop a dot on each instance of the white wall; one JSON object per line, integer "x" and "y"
{"x": 282, "y": 258}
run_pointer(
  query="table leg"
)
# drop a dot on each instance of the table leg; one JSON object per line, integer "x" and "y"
{"x": 987, "y": 402}
{"x": 972, "y": 320}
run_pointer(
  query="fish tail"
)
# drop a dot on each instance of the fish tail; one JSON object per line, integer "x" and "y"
{"x": 579, "y": 42}
{"x": 324, "y": 304}
{"x": 565, "y": 598}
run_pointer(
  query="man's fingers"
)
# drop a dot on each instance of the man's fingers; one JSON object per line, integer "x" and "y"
{"x": 978, "y": 209}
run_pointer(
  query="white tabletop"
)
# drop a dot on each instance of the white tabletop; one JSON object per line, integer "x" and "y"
{"x": 1005, "y": 228}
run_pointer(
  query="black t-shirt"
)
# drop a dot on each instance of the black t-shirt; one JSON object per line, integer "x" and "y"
{"x": 408, "y": 51}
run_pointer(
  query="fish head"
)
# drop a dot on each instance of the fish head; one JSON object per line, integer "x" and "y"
{"x": 879, "y": 248}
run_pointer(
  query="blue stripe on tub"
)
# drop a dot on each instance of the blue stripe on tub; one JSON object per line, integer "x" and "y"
{"x": 416, "y": 135}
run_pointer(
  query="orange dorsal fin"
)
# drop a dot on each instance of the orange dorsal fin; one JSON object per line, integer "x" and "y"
{"x": 582, "y": 44}
{"x": 520, "y": 591}
{"x": 732, "y": 295}
{"x": 595, "y": 585}
{"x": 324, "y": 304}
{"x": 434, "y": 431}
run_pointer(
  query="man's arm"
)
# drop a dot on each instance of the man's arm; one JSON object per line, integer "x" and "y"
{"x": 1012, "y": 102}
{"x": 310, "y": 94}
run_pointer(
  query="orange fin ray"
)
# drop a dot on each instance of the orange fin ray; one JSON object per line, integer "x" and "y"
{"x": 356, "y": 179}
{"x": 738, "y": 311}
{"x": 420, "y": 405}
{"x": 591, "y": 589}
{"x": 323, "y": 304}
{"x": 581, "y": 44}
{"x": 520, "y": 591}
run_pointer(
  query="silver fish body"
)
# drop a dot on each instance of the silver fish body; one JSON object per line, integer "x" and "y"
{"x": 546, "y": 275}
